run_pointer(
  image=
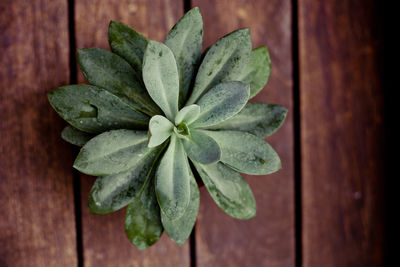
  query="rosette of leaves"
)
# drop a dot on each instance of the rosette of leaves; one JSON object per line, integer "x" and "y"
{"x": 157, "y": 115}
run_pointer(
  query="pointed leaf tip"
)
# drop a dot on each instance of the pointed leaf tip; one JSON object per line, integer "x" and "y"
{"x": 185, "y": 41}
{"x": 127, "y": 43}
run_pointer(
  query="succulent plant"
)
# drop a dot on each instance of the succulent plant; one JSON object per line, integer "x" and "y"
{"x": 157, "y": 116}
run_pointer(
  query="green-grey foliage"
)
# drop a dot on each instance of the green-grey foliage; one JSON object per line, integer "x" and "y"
{"x": 159, "y": 130}
{"x": 128, "y": 44}
{"x": 151, "y": 107}
{"x": 187, "y": 114}
{"x": 113, "y": 152}
{"x": 179, "y": 230}
{"x": 185, "y": 41}
{"x": 260, "y": 119}
{"x": 75, "y": 136}
{"x": 160, "y": 75}
{"x": 143, "y": 225}
{"x": 220, "y": 103}
{"x": 94, "y": 110}
{"x": 202, "y": 148}
{"x": 223, "y": 62}
{"x": 112, "y": 192}
{"x": 111, "y": 72}
{"x": 257, "y": 71}
{"x": 250, "y": 154}
{"x": 228, "y": 189}
{"x": 173, "y": 180}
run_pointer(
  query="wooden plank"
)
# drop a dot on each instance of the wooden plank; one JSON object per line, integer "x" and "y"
{"x": 37, "y": 225}
{"x": 104, "y": 241}
{"x": 341, "y": 98}
{"x": 268, "y": 239}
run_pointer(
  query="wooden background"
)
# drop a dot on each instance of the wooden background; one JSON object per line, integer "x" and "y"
{"x": 325, "y": 208}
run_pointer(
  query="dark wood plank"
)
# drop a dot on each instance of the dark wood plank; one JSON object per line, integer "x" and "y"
{"x": 341, "y": 133}
{"x": 37, "y": 224}
{"x": 104, "y": 240}
{"x": 268, "y": 239}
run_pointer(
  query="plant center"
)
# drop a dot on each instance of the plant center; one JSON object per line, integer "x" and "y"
{"x": 183, "y": 129}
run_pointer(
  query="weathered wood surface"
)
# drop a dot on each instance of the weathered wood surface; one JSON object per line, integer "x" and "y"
{"x": 37, "y": 222}
{"x": 341, "y": 133}
{"x": 104, "y": 241}
{"x": 268, "y": 239}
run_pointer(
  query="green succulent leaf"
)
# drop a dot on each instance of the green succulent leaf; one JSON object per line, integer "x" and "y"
{"x": 220, "y": 103}
{"x": 113, "y": 192}
{"x": 75, "y": 136}
{"x": 260, "y": 119}
{"x": 94, "y": 110}
{"x": 128, "y": 44}
{"x": 257, "y": 71}
{"x": 228, "y": 189}
{"x": 143, "y": 225}
{"x": 185, "y": 40}
{"x": 160, "y": 75}
{"x": 246, "y": 153}
{"x": 160, "y": 128}
{"x": 113, "y": 152}
{"x": 173, "y": 180}
{"x": 202, "y": 148}
{"x": 223, "y": 62}
{"x": 179, "y": 230}
{"x": 111, "y": 72}
{"x": 187, "y": 114}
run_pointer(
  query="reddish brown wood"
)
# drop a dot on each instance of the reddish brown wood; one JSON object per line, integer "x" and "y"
{"x": 268, "y": 239}
{"x": 37, "y": 222}
{"x": 104, "y": 241}
{"x": 341, "y": 133}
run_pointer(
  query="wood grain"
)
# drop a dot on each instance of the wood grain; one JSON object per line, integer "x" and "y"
{"x": 268, "y": 239}
{"x": 37, "y": 224}
{"x": 104, "y": 241}
{"x": 341, "y": 100}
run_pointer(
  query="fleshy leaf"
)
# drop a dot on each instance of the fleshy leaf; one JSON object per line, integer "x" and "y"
{"x": 187, "y": 114}
{"x": 202, "y": 148}
{"x": 228, "y": 189}
{"x": 143, "y": 225}
{"x": 160, "y": 75}
{"x": 185, "y": 40}
{"x": 75, "y": 136}
{"x": 160, "y": 128}
{"x": 257, "y": 71}
{"x": 179, "y": 230}
{"x": 173, "y": 180}
{"x": 246, "y": 153}
{"x": 128, "y": 44}
{"x": 113, "y": 192}
{"x": 260, "y": 119}
{"x": 220, "y": 103}
{"x": 223, "y": 62}
{"x": 111, "y": 72}
{"x": 113, "y": 152}
{"x": 94, "y": 110}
